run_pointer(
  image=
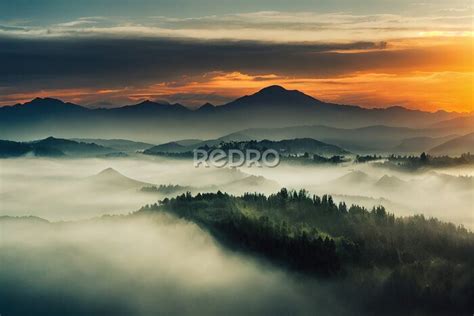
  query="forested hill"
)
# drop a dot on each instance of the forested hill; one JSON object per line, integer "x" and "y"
{"x": 410, "y": 263}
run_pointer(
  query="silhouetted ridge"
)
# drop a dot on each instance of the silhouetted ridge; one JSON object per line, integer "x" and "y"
{"x": 275, "y": 96}
{"x": 207, "y": 107}
{"x": 154, "y": 121}
{"x": 110, "y": 172}
{"x": 38, "y": 101}
{"x": 45, "y": 105}
{"x": 273, "y": 89}
{"x": 150, "y": 106}
{"x": 112, "y": 179}
{"x": 147, "y": 103}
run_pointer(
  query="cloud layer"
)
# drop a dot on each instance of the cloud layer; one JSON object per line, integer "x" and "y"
{"x": 124, "y": 70}
{"x": 336, "y": 56}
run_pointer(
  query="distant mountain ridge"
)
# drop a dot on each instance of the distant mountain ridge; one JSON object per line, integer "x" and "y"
{"x": 456, "y": 122}
{"x": 52, "y": 147}
{"x": 111, "y": 179}
{"x": 420, "y": 144}
{"x": 284, "y": 147}
{"x": 276, "y": 96}
{"x": 377, "y": 138}
{"x": 455, "y": 147}
{"x": 157, "y": 122}
{"x": 117, "y": 144}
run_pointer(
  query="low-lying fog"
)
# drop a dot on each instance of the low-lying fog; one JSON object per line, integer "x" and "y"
{"x": 447, "y": 194}
{"x": 153, "y": 265}
{"x": 137, "y": 265}
{"x": 64, "y": 189}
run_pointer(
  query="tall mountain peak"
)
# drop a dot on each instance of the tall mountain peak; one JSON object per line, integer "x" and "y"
{"x": 276, "y": 95}
{"x": 47, "y": 105}
{"x": 273, "y": 89}
{"x": 147, "y": 103}
{"x": 206, "y": 107}
{"x": 40, "y": 101}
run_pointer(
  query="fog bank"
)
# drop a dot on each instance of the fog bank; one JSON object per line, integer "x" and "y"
{"x": 146, "y": 265}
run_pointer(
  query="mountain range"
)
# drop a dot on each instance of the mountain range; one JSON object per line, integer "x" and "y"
{"x": 420, "y": 144}
{"x": 53, "y": 147}
{"x": 154, "y": 122}
{"x": 370, "y": 139}
{"x": 456, "y": 146}
{"x": 284, "y": 147}
{"x": 356, "y": 182}
{"x": 452, "y": 145}
{"x": 122, "y": 145}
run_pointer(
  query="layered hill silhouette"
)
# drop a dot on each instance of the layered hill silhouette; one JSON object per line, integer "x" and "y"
{"x": 459, "y": 122}
{"x": 285, "y": 147}
{"x": 156, "y": 122}
{"x": 420, "y": 144}
{"x": 111, "y": 179}
{"x": 376, "y": 138}
{"x": 455, "y": 147}
{"x": 52, "y": 147}
{"x": 123, "y": 145}
{"x": 356, "y": 182}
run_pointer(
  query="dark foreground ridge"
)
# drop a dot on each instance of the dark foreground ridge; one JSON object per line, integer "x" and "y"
{"x": 402, "y": 264}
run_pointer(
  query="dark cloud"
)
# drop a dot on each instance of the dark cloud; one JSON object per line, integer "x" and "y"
{"x": 93, "y": 62}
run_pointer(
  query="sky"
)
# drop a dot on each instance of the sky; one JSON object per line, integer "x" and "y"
{"x": 110, "y": 53}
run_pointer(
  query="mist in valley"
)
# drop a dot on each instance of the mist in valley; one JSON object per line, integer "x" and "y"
{"x": 106, "y": 112}
{"x": 447, "y": 194}
{"x": 144, "y": 265}
{"x": 65, "y": 189}
{"x": 71, "y": 258}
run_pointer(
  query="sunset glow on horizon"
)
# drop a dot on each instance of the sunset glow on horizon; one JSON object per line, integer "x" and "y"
{"x": 417, "y": 56}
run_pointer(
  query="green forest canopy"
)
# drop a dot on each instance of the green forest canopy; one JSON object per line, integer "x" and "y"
{"x": 410, "y": 263}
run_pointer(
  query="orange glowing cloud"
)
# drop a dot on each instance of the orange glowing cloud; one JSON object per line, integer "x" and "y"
{"x": 451, "y": 91}
{"x": 419, "y": 73}
{"x": 440, "y": 77}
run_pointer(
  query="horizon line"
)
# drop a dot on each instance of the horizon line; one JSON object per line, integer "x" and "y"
{"x": 90, "y": 106}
